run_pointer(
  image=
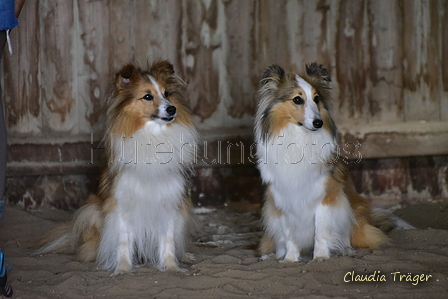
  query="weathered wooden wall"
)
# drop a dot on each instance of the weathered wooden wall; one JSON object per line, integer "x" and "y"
{"x": 388, "y": 60}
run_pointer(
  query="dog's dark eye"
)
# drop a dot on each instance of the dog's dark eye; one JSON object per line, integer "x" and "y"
{"x": 298, "y": 101}
{"x": 316, "y": 99}
{"x": 166, "y": 94}
{"x": 148, "y": 97}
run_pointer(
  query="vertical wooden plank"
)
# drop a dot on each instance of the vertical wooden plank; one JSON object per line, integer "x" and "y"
{"x": 295, "y": 39}
{"x": 240, "y": 60}
{"x": 144, "y": 19}
{"x": 94, "y": 75}
{"x": 201, "y": 67}
{"x": 325, "y": 43}
{"x": 158, "y": 30}
{"x": 385, "y": 96}
{"x": 329, "y": 24}
{"x": 272, "y": 34}
{"x": 21, "y": 76}
{"x": 307, "y": 23}
{"x": 311, "y": 35}
{"x": 443, "y": 31}
{"x": 421, "y": 59}
{"x": 121, "y": 24}
{"x": 57, "y": 67}
{"x": 352, "y": 61}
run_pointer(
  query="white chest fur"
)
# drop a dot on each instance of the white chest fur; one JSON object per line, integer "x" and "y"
{"x": 151, "y": 164}
{"x": 149, "y": 188}
{"x": 294, "y": 164}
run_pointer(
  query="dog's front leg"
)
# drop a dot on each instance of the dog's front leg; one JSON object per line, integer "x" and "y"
{"x": 124, "y": 250}
{"x": 292, "y": 250}
{"x": 167, "y": 250}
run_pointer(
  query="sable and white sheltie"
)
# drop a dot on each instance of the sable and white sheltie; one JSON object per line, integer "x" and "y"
{"x": 310, "y": 203}
{"x": 140, "y": 212}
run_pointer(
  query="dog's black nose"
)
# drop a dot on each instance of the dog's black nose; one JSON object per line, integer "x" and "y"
{"x": 318, "y": 123}
{"x": 171, "y": 110}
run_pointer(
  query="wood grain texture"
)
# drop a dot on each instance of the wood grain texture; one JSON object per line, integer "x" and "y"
{"x": 388, "y": 58}
{"x": 121, "y": 38}
{"x": 201, "y": 41}
{"x": 157, "y": 28}
{"x": 421, "y": 60}
{"x": 239, "y": 42}
{"x": 443, "y": 6}
{"x": 94, "y": 71}
{"x": 352, "y": 60}
{"x": 57, "y": 67}
{"x": 385, "y": 71}
{"x": 21, "y": 78}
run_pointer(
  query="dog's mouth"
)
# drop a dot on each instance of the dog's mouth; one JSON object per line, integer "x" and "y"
{"x": 165, "y": 119}
{"x": 312, "y": 129}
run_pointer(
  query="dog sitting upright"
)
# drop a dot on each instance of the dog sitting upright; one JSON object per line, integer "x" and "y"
{"x": 310, "y": 203}
{"x": 140, "y": 212}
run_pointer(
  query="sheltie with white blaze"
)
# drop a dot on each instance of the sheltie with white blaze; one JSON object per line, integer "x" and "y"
{"x": 310, "y": 204}
{"x": 140, "y": 212}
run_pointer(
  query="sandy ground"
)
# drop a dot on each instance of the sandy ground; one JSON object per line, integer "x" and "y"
{"x": 226, "y": 265}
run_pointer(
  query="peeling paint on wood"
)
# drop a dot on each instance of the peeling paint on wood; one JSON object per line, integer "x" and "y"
{"x": 352, "y": 60}
{"x": 240, "y": 42}
{"x": 121, "y": 25}
{"x": 202, "y": 46}
{"x": 388, "y": 60}
{"x": 385, "y": 96}
{"x": 21, "y": 89}
{"x": 57, "y": 70}
{"x": 421, "y": 60}
{"x": 156, "y": 29}
{"x": 443, "y": 6}
{"x": 93, "y": 79}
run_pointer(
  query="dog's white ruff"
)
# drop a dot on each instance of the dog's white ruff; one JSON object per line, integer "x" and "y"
{"x": 293, "y": 164}
{"x": 147, "y": 224}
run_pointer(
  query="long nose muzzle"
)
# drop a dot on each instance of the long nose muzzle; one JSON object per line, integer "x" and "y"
{"x": 166, "y": 112}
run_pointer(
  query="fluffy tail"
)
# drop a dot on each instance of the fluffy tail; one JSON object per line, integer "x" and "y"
{"x": 387, "y": 221}
{"x": 372, "y": 234}
{"x": 366, "y": 235}
{"x": 80, "y": 236}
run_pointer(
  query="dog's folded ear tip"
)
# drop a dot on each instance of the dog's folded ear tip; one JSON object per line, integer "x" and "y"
{"x": 126, "y": 72}
{"x": 162, "y": 67}
{"x": 317, "y": 69}
{"x": 272, "y": 72}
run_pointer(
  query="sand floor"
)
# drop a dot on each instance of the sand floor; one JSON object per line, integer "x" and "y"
{"x": 226, "y": 265}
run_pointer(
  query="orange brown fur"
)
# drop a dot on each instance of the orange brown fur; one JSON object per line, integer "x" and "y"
{"x": 135, "y": 108}
{"x": 266, "y": 245}
{"x": 294, "y": 109}
{"x": 364, "y": 235}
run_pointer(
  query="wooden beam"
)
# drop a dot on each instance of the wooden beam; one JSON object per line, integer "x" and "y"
{"x": 398, "y": 140}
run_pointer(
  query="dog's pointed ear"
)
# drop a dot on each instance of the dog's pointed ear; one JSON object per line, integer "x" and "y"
{"x": 126, "y": 75}
{"x": 317, "y": 70}
{"x": 273, "y": 74}
{"x": 162, "y": 68}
